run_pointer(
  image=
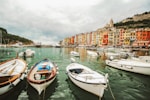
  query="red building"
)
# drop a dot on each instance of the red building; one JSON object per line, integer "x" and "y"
{"x": 105, "y": 39}
{"x": 72, "y": 40}
{"x": 142, "y": 38}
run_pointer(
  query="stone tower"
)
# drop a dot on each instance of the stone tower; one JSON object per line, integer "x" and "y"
{"x": 111, "y": 23}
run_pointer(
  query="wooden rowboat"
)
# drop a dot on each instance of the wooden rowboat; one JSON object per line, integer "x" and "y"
{"x": 42, "y": 74}
{"x": 11, "y": 73}
{"x": 87, "y": 79}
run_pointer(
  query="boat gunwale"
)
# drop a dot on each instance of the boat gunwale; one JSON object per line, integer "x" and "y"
{"x": 116, "y": 62}
{"x": 45, "y": 80}
{"x": 87, "y": 82}
{"x": 14, "y": 77}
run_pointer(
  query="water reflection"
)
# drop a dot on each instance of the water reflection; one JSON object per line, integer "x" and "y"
{"x": 33, "y": 94}
{"x": 15, "y": 92}
{"x": 131, "y": 86}
{"x": 124, "y": 85}
{"x": 79, "y": 93}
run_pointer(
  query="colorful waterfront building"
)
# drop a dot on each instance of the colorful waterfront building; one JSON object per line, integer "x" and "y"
{"x": 105, "y": 38}
{"x": 93, "y": 43}
{"x": 72, "y": 40}
{"x": 76, "y": 42}
{"x": 121, "y": 34}
{"x": 102, "y": 37}
{"x": 116, "y": 37}
{"x": 126, "y": 38}
{"x": 142, "y": 38}
{"x": 81, "y": 39}
{"x": 91, "y": 38}
{"x": 100, "y": 32}
{"x": 110, "y": 37}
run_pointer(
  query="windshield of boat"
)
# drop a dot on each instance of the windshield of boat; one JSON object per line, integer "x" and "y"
{"x": 77, "y": 71}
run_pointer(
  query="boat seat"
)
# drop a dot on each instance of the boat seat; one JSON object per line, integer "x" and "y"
{"x": 43, "y": 72}
{"x": 40, "y": 75}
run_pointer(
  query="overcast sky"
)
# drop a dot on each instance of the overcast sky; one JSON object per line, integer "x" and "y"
{"x": 49, "y": 21}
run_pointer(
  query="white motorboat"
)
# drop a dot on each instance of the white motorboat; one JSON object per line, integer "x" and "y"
{"x": 27, "y": 53}
{"x": 131, "y": 65}
{"x": 144, "y": 58}
{"x": 92, "y": 53}
{"x": 42, "y": 74}
{"x": 87, "y": 79}
{"x": 74, "y": 53}
{"x": 11, "y": 73}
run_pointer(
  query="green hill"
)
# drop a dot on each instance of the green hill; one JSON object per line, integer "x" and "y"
{"x": 11, "y": 39}
{"x": 137, "y": 21}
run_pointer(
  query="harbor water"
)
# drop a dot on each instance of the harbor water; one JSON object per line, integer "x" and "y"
{"x": 122, "y": 85}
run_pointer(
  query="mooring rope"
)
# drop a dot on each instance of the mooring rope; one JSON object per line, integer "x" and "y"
{"x": 44, "y": 94}
{"x": 111, "y": 91}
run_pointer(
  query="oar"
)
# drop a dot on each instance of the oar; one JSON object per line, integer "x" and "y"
{"x": 12, "y": 70}
{"x": 8, "y": 67}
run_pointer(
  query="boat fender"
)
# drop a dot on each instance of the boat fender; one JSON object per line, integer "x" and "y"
{"x": 106, "y": 77}
{"x": 37, "y": 76}
{"x": 111, "y": 58}
{"x": 11, "y": 85}
{"x": 22, "y": 77}
{"x": 129, "y": 67}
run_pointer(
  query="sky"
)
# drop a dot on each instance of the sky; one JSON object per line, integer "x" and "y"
{"x": 50, "y": 21}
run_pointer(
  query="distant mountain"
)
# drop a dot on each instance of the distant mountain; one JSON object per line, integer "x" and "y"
{"x": 11, "y": 39}
{"x": 137, "y": 21}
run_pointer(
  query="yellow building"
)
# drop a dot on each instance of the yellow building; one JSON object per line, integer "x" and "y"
{"x": 126, "y": 38}
{"x": 93, "y": 38}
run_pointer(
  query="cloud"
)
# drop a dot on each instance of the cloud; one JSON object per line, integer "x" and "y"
{"x": 50, "y": 21}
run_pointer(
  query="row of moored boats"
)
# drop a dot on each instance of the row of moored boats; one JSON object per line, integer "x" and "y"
{"x": 44, "y": 72}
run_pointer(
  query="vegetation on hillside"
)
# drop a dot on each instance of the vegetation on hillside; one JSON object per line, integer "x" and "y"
{"x": 11, "y": 39}
{"x": 134, "y": 24}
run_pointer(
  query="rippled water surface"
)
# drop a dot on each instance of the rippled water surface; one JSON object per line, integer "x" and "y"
{"x": 124, "y": 85}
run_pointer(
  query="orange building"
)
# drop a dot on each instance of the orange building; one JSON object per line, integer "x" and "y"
{"x": 72, "y": 40}
{"x": 121, "y": 34}
{"x": 105, "y": 38}
{"x": 142, "y": 38}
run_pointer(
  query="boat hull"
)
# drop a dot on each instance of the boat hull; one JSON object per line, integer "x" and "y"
{"x": 10, "y": 86}
{"x": 41, "y": 87}
{"x": 92, "y": 53}
{"x": 35, "y": 76}
{"x": 96, "y": 89}
{"x": 87, "y": 79}
{"x": 74, "y": 53}
{"x": 11, "y": 80}
{"x": 136, "y": 68}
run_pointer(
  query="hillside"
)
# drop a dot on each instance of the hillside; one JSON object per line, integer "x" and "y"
{"x": 137, "y": 21}
{"x": 11, "y": 39}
